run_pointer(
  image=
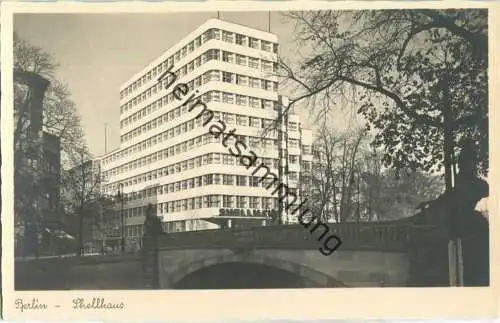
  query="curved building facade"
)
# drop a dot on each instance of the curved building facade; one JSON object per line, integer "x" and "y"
{"x": 167, "y": 155}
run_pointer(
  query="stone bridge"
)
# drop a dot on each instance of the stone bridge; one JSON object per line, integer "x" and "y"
{"x": 396, "y": 253}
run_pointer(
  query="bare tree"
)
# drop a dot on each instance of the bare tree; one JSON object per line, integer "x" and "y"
{"x": 350, "y": 151}
{"x": 82, "y": 191}
{"x": 371, "y": 181}
{"x": 333, "y": 172}
{"x": 59, "y": 113}
{"x": 348, "y": 181}
{"x": 323, "y": 182}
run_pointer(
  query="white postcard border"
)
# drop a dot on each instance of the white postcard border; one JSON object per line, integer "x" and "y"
{"x": 174, "y": 305}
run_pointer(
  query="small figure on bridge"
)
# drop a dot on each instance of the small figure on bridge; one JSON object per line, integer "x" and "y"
{"x": 468, "y": 191}
{"x": 152, "y": 224}
{"x": 455, "y": 209}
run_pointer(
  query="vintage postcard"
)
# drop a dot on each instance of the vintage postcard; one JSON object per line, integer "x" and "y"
{"x": 256, "y": 160}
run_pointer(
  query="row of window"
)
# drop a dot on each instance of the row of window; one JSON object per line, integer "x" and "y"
{"x": 199, "y": 141}
{"x": 211, "y": 179}
{"x": 228, "y": 118}
{"x": 156, "y": 71}
{"x": 213, "y": 96}
{"x": 208, "y": 201}
{"x": 251, "y": 142}
{"x": 134, "y": 231}
{"x": 207, "y": 159}
{"x": 243, "y": 80}
{"x": 186, "y": 225}
{"x": 205, "y": 180}
{"x": 137, "y": 230}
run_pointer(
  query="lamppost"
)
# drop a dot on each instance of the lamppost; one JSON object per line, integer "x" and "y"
{"x": 120, "y": 196}
{"x": 282, "y": 152}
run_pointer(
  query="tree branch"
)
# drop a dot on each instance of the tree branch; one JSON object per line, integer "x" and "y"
{"x": 424, "y": 119}
{"x": 478, "y": 40}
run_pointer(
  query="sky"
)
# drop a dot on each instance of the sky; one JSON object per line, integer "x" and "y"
{"x": 97, "y": 53}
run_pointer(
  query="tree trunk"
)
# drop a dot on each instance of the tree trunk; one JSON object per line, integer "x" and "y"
{"x": 80, "y": 233}
{"x": 343, "y": 188}
{"x": 335, "y": 210}
{"x": 448, "y": 136}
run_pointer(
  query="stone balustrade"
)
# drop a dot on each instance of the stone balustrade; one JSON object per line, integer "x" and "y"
{"x": 390, "y": 236}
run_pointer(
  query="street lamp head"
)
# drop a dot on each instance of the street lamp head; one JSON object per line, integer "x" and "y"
{"x": 119, "y": 194}
{"x": 120, "y": 189}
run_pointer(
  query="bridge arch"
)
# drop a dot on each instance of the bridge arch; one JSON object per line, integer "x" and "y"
{"x": 309, "y": 277}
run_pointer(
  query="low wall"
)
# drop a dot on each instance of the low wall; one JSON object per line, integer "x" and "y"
{"x": 388, "y": 236}
{"x": 75, "y": 273}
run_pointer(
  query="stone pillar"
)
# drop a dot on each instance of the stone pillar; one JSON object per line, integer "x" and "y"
{"x": 428, "y": 255}
{"x": 150, "y": 262}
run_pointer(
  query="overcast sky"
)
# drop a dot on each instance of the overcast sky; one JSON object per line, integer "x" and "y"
{"x": 99, "y": 52}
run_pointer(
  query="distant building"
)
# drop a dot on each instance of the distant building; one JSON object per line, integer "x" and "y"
{"x": 87, "y": 178}
{"x": 87, "y": 174}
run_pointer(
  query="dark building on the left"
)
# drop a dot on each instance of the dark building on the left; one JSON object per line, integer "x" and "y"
{"x": 51, "y": 174}
{"x": 37, "y": 164}
{"x": 52, "y": 215}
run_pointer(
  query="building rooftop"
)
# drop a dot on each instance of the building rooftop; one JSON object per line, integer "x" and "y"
{"x": 210, "y": 23}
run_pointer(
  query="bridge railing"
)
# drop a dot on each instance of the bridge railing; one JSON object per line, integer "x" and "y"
{"x": 390, "y": 236}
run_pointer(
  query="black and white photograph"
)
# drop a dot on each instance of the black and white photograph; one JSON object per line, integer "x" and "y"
{"x": 265, "y": 149}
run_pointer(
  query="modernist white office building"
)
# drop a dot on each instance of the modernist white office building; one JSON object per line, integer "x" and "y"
{"x": 169, "y": 158}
